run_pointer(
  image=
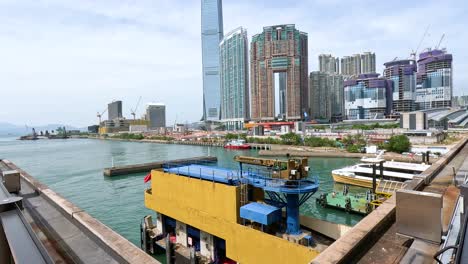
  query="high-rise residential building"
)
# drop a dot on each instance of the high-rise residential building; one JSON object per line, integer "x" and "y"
{"x": 156, "y": 115}
{"x": 234, "y": 79}
{"x": 368, "y": 62}
{"x": 434, "y": 85}
{"x": 278, "y": 66}
{"x": 114, "y": 110}
{"x": 358, "y": 64}
{"x": 319, "y": 99}
{"x": 211, "y": 34}
{"x": 351, "y": 65}
{"x": 329, "y": 64}
{"x": 326, "y": 96}
{"x": 403, "y": 75}
{"x": 335, "y": 85}
{"x": 460, "y": 101}
{"x": 367, "y": 97}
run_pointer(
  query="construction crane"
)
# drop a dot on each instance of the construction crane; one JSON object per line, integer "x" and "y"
{"x": 440, "y": 41}
{"x": 415, "y": 52}
{"x": 135, "y": 109}
{"x": 99, "y": 114}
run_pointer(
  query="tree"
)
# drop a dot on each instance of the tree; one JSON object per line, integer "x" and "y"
{"x": 399, "y": 144}
{"x": 291, "y": 139}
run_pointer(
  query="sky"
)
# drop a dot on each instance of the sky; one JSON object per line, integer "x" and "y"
{"x": 62, "y": 61}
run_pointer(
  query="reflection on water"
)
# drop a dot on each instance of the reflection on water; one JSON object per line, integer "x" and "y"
{"x": 74, "y": 169}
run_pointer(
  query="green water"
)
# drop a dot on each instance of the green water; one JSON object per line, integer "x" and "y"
{"x": 73, "y": 168}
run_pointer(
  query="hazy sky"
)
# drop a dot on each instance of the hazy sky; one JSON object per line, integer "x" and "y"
{"x": 61, "y": 61}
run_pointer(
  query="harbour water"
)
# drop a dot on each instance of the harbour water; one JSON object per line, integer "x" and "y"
{"x": 73, "y": 168}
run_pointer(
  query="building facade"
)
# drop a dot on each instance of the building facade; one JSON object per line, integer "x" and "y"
{"x": 329, "y": 64}
{"x": 368, "y": 62}
{"x": 358, "y": 64}
{"x": 114, "y": 110}
{"x": 326, "y": 96}
{"x": 434, "y": 85}
{"x": 403, "y": 75}
{"x": 319, "y": 99}
{"x": 351, "y": 65}
{"x": 156, "y": 115}
{"x": 279, "y": 51}
{"x": 211, "y": 35}
{"x": 234, "y": 79}
{"x": 367, "y": 97}
{"x": 335, "y": 84}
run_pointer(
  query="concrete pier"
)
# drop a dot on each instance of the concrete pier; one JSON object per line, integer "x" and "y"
{"x": 374, "y": 238}
{"x": 69, "y": 234}
{"x": 146, "y": 167}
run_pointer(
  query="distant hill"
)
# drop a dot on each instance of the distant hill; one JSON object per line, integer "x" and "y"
{"x": 16, "y": 130}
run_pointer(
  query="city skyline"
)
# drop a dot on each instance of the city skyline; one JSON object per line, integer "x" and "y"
{"x": 98, "y": 52}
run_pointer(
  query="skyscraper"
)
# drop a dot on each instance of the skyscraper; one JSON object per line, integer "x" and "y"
{"x": 326, "y": 96}
{"x": 329, "y": 64}
{"x": 434, "y": 86}
{"x": 358, "y": 64}
{"x": 211, "y": 34}
{"x": 335, "y": 86}
{"x": 319, "y": 99}
{"x": 234, "y": 79}
{"x": 278, "y": 65}
{"x": 403, "y": 75}
{"x": 367, "y": 97}
{"x": 156, "y": 115}
{"x": 368, "y": 62}
{"x": 114, "y": 110}
{"x": 351, "y": 65}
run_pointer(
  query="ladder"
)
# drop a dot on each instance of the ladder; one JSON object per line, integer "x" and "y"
{"x": 244, "y": 197}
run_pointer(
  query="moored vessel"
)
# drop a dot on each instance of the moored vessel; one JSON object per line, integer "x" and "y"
{"x": 237, "y": 144}
{"x": 361, "y": 174}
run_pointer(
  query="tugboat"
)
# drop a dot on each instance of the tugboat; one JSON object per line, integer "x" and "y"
{"x": 237, "y": 144}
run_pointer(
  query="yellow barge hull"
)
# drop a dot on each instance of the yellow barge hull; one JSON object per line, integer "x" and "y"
{"x": 353, "y": 181}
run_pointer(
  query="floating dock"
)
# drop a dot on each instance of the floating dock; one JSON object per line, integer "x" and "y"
{"x": 147, "y": 167}
{"x": 233, "y": 215}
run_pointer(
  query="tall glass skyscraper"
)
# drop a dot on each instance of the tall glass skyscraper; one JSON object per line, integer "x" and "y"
{"x": 211, "y": 34}
{"x": 234, "y": 79}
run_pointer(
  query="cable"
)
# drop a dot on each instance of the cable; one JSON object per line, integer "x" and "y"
{"x": 436, "y": 255}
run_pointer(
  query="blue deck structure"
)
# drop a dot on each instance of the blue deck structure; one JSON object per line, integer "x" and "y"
{"x": 261, "y": 213}
{"x": 282, "y": 192}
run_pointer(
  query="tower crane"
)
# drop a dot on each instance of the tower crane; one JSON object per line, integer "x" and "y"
{"x": 440, "y": 41}
{"x": 99, "y": 115}
{"x": 415, "y": 52}
{"x": 135, "y": 109}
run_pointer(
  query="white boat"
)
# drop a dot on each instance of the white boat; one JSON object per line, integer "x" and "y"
{"x": 361, "y": 174}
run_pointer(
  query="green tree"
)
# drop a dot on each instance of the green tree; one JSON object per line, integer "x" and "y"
{"x": 399, "y": 144}
{"x": 291, "y": 139}
{"x": 354, "y": 143}
{"x": 319, "y": 142}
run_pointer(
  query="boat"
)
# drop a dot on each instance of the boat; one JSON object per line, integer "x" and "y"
{"x": 361, "y": 174}
{"x": 237, "y": 144}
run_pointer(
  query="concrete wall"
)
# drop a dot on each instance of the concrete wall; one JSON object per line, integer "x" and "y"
{"x": 181, "y": 233}
{"x": 414, "y": 220}
{"x": 206, "y": 245}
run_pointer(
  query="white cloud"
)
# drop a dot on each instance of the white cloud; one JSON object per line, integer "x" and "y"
{"x": 62, "y": 61}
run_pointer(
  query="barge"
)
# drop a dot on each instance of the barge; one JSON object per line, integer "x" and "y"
{"x": 218, "y": 215}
